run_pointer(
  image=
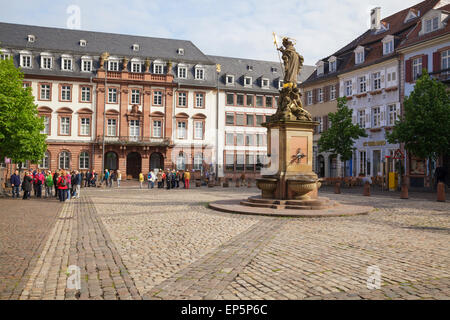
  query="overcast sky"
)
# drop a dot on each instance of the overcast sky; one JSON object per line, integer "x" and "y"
{"x": 235, "y": 28}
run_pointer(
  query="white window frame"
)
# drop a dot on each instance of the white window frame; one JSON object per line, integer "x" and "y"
{"x": 85, "y": 126}
{"x": 46, "y": 129}
{"x": 198, "y": 130}
{"x": 66, "y": 93}
{"x": 362, "y": 84}
{"x": 320, "y": 95}
{"x": 280, "y": 84}
{"x": 5, "y": 54}
{"x": 111, "y": 128}
{"x": 26, "y": 61}
{"x": 85, "y": 63}
{"x": 65, "y": 126}
{"x": 46, "y": 62}
{"x": 199, "y": 97}
{"x": 86, "y": 92}
{"x": 136, "y": 67}
{"x": 392, "y": 114}
{"x": 157, "y": 129}
{"x": 198, "y": 161}
{"x": 113, "y": 65}
{"x": 83, "y": 159}
{"x": 248, "y": 81}
{"x": 376, "y": 80}
{"x": 182, "y": 72}
{"x": 182, "y": 99}
{"x": 309, "y": 97}
{"x": 158, "y": 68}
{"x": 65, "y": 157}
{"x": 332, "y": 92}
{"x": 135, "y": 129}
{"x": 182, "y": 129}
{"x": 445, "y": 61}
{"x": 376, "y": 117}
{"x": 362, "y": 118}
{"x": 45, "y": 91}
{"x": 267, "y": 85}
{"x": 66, "y": 63}
{"x": 348, "y": 88}
{"x": 135, "y": 96}
{"x": 157, "y": 98}
{"x": 45, "y": 161}
{"x": 227, "y": 79}
{"x": 388, "y": 47}
{"x": 417, "y": 68}
{"x": 199, "y": 73}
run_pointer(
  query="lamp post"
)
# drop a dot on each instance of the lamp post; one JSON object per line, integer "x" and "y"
{"x": 105, "y": 57}
{"x": 218, "y": 68}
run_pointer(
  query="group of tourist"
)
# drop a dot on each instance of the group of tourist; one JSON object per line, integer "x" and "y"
{"x": 169, "y": 178}
{"x": 110, "y": 176}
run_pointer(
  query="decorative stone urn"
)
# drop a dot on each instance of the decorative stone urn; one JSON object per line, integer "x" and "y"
{"x": 267, "y": 186}
{"x": 300, "y": 188}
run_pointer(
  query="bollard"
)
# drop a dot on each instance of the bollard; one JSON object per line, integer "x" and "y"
{"x": 366, "y": 189}
{"x": 337, "y": 187}
{"x": 404, "y": 192}
{"x": 249, "y": 183}
{"x": 440, "y": 192}
{"x": 225, "y": 183}
{"x": 238, "y": 183}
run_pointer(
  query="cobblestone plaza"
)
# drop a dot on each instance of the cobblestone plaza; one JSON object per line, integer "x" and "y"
{"x": 132, "y": 243}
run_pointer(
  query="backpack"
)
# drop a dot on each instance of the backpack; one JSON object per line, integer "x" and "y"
{"x": 63, "y": 182}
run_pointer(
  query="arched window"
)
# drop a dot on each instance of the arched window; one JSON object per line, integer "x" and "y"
{"x": 198, "y": 161}
{"x": 45, "y": 162}
{"x": 64, "y": 160}
{"x": 84, "y": 160}
{"x": 181, "y": 161}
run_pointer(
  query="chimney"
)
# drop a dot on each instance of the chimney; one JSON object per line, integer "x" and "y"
{"x": 375, "y": 18}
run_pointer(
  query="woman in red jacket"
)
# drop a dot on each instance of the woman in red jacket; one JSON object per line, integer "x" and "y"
{"x": 62, "y": 186}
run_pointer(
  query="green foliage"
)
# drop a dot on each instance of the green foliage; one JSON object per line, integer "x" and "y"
{"x": 341, "y": 136}
{"x": 20, "y": 125}
{"x": 425, "y": 125}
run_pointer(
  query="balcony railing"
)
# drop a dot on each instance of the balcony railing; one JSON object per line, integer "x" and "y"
{"x": 145, "y": 76}
{"x": 442, "y": 75}
{"x": 133, "y": 140}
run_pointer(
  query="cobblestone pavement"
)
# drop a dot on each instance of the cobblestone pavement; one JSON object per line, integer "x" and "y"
{"x": 159, "y": 244}
{"x": 23, "y": 231}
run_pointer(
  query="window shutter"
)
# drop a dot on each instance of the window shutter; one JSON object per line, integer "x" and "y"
{"x": 425, "y": 62}
{"x": 325, "y": 123}
{"x": 398, "y": 108}
{"x": 368, "y": 82}
{"x": 337, "y": 90}
{"x": 340, "y": 89}
{"x": 436, "y": 61}
{"x": 383, "y": 116}
{"x": 326, "y": 93}
{"x": 368, "y": 114}
{"x": 408, "y": 71}
{"x": 354, "y": 116}
{"x": 315, "y": 128}
{"x": 314, "y": 97}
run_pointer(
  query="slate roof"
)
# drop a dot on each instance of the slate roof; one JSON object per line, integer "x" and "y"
{"x": 238, "y": 67}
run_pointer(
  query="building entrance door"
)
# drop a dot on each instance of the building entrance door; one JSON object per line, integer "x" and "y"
{"x": 377, "y": 163}
{"x": 134, "y": 165}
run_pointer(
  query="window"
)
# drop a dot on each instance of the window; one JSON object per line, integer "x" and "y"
{"x": 280, "y": 84}
{"x": 180, "y": 51}
{"x": 198, "y": 161}
{"x": 332, "y": 66}
{"x": 66, "y": 93}
{"x": 45, "y": 92}
{"x": 362, "y": 162}
{"x": 259, "y": 101}
{"x": 182, "y": 72}
{"x": 249, "y": 162}
{"x": 46, "y": 125}
{"x": 239, "y": 99}
{"x": 158, "y": 68}
{"x": 26, "y": 85}
{"x": 320, "y": 94}
{"x": 376, "y": 117}
{"x": 230, "y": 119}
{"x": 135, "y": 47}
{"x": 182, "y": 100}
{"x": 250, "y": 120}
{"x": 348, "y": 88}
{"x": 157, "y": 98}
{"x": 247, "y": 81}
{"x": 320, "y": 126}
{"x": 240, "y": 119}
{"x": 445, "y": 61}
{"x": 229, "y": 161}
{"x": 136, "y": 67}
{"x": 181, "y": 161}
{"x": 388, "y": 47}
{"x": 362, "y": 84}
{"x": 240, "y": 162}
{"x": 85, "y": 126}
{"x": 181, "y": 130}
{"x": 259, "y": 119}
{"x": 239, "y": 139}
{"x": 64, "y": 160}
{"x": 66, "y": 64}
{"x": 249, "y": 102}
{"x": 269, "y": 102}
{"x": 112, "y": 95}
{"x": 376, "y": 80}
{"x": 265, "y": 83}
{"x": 431, "y": 24}
{"x": 309, "y": 98}
{"x": 135, "y": 96}
{"x": 259, "y": 161}
{"x": 65, "y": 126}
{"x": 198, "y": 130}
{"x": 359, "y": 57}
{"x": 86, "y": 65}
{"x": 83, "y": 43}
{"x": 199, "y": 100}
{"x": 113, "y": 65}
{"x": 249, "y": 140}
{"x": 229, "y": 80}
{"x": 230, "y": 99}
{"x": 157, "y": 129}
{"x": 84, "y": 160}
{"x": 199, "y": 74}
{"x": 134, "y": 130}
{"x": 229, "y": 139}
{"x": 46, "y": 62}
{"x": 45, "y": 162}
{"x": 112, "y": 128}
{"x": 332, "y": 92}
{"x": 259, "y": 139}
{"x": 25, "y": 61}
{"x": 86, "y": 94}
{"x": 392, "y": 110}
{"x": 417, "y": 68}
{"x": 362, "y": 118}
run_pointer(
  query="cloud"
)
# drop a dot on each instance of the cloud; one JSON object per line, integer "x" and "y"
{"x": 228, "y": 28}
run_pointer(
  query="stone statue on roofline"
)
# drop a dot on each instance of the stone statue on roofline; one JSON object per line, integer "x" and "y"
{"x": 292, "y": 61}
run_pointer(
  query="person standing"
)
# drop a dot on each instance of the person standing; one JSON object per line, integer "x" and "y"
{"x": 105, "y": 177}
{"x": 62, "y": 186}
{"x": 141, "y": 179}
{"x": 55, "y": 180}
{"x": 27, "y": 185}
{"x": 94, "y": 178}
{"x": 77, "y": 184}
{"x": 177, "y": 179}
{"x": 87, "y": 179}
{"x": 82, "y": 174}
{"x": 68, "y": 188}
{"x": 168, "y": 179}
{"x": 112, "y": 177}
{"x": 173, "y": 177}
{"x": 149, "y": 179}
{"x": 159, "y": 178}
{"x": 119, "y": 178}
{"x": 187, "y": 177}
{"x": 48, "y": 184}
{"x": 15, "y": 184}
{"x": 40, "y": 183}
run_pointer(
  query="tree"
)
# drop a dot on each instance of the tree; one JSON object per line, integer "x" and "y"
{"x": 341, "y": 136}
{"x": 20, "y": 124}
{"x": 424, "y": 127}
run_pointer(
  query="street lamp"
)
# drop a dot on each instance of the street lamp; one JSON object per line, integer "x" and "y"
{"x": 104, "y": 57}
{"x": 218, "y": 69}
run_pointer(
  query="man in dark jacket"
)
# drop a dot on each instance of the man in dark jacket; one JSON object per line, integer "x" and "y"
{"x": 26, "y": 186}
{"x": 55, "y": 180}
{"x": 15, "y": 184}
{"x": 168, "y": 179}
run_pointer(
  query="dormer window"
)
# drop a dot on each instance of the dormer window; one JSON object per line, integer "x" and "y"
{"x": 319, "y": 66}
{"x": 431, "y": 24}
{"x": 182, "y": 71}
{"x": 66, "y": 63}
{"x": 83, "y": 43}
{"x": 359, "y": 55}
{"x": 274, "y": 70}
{"x": 31, "y": 38}
{"x": 86, "y": 64}
{"x": 388, "y": 45}
{"x": 332, "y": 64}
{"x": 280, "y": 84}
{"x": 4, "y": 55}
{"x": 265, "y": 83}
{"x": 135, "y": 47}
{"x": 46, "y": 61}
{"x": 113, "y": 64}
{"x": 250, "y": 68}
{"x": 26, "y": 59}
{"x": 136, "y": 66}
{"x": 411, "y": 15}
{"x": 199, "y": 73}
{"x": 180, "y": 51}
{"x": 158, "y": 67}
{"x": 229, "y": 80}
{"x": 248, "y": 81}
